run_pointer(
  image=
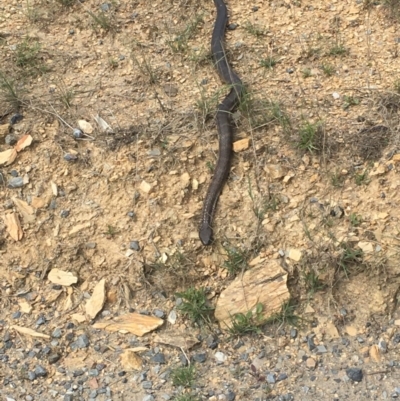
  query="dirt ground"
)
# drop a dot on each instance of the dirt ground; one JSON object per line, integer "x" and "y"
{"x": 316, "y": 176}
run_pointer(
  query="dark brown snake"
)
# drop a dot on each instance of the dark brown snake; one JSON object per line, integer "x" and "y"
{"x": 224, "y": 123}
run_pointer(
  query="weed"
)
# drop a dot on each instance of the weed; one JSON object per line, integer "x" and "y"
{"x": 311, "y": 52}
{"x": 254, "y": 29}
{"x": 285, "y": 316}
{"x": 362, "y": 178}
{"x": 350, "y": 101}
{"x": 355, "y": 219}
{"x": 66, "y": 95}
{"x": 103, "y": 20}
{"x": 146, "y": 69}
{"x": 207, "y": 105}
{"x": 306, "y": 72}
{"x": 32, "y": 12}
{"x": 337, "y": 179}
{"x": 396, "y": 85}
{"x": 9, "y": 93}
{"x": 277, "y": 113}
{"x": 66, "y": 3}
{"x": 328, "y": 69}
{"x": 393, "y": 7}
{"x": 313, "y": 283}
{"x": 27, "y": 57}
{"x": 111, "y": 231}
{"x": 185, "y": 397}
{"x": 260, "y": 208}
{"x": 180, "y": 43}
{"x": 183, "y": 376}
{"x": 242, "y": 324}
{"x": 269, "y": 62}
{"x": 236, "y": 262}
{"x": 338, "y": 50}
{"x": 194, "y": 305}
{"x": 309, "y": 136}
{"x": 112, "y": 63}
{"x": 210, "y": 166}
{"x": 349, "y": 257}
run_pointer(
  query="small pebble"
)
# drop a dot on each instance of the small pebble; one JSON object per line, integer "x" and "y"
{"x": 158, "y": 358}
{"x": 232, "y": 27}
{"x": 15, "y": 182}
{"x": 77, "y": 133}
{"x": 354, "y": 374}
{"x": 134, "y": 245}
{"x": 201, "y": 357}
{"x": 220, "y": 357}
{"x": 212, "y": 341}
{"x": 69, "y": 157}
{"x": 40, "y": 371}
{"x": 10, "y": 139}
{"x": 159, "y": 313}
{"x": 64, "y": 213}
{"x": 271, "y": 379}
{"x": 16, "y": 118}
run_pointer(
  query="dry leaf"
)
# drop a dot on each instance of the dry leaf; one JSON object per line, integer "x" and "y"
{"x": 29, "y": 332}
{"x": 129, "y": 360}
{"x": 61, "y": 277}
{"x": 23, "y": 143}
{"x": 8, "y": 156}
{"x": 96, "y": 301}
{"x": 13, "y": 226}
{"x": 27, "y": 212}
{"x": 134, "y": 323}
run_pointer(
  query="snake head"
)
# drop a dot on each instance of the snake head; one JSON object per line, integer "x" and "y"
{"x": 206, "y": 235}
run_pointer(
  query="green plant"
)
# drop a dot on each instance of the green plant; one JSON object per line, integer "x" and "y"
{"x": 146, "y": 69}
{"x": 180, "y": 43}
{"x": 306, "y": 72}
{"x": 183, "y": 376}
{"x": 66, "y": 3}
{"x": 338, "y": 50}
{"x": 65, "y": 94}
{"x": 309, "y": 136}
{"x": 260, "y": 207}
{"x": 27, "y": 57}
{"x": 396, "y": 85}
{"x": 111, "y": 231}
{"x": 102, "y": 19}
{"x": 355, "y": 219}
{"x": 185, "y": 397}
{"x": 313, "y": 283}
{"x": 277, "y": 113}
{"x": 337, "y": 179}
{"x": 269, "y": 62}
{"x": 236, "y": 260}
{"x": 247, "y": 323}
{"x": 349, "y": 257}
{"x": 32, "y": 12}
{"x": 362, "y": 178}
{"x": 350, "y": 101}
{"x": 195, "y": 305}
{"x": 285, "y": 316}
{"x": 254, "y": 29}
{"x": 9, "y": 92}
{"x": 328, "y": 69}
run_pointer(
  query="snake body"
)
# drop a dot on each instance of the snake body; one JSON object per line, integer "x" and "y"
{"x": 223, "y": 120}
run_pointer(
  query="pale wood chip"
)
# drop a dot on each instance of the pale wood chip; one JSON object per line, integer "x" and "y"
{"x": 61, "y": 277}
{"x": 25, "y": 306}
{"x": 13, "y": 226}
{"x": 29, "y": 332}
{"x": 96, "y": 302}
{"x": 27, "y": 212}
{"x": 145, "y": 187}
{"x": 133, "y": 323}
{"x": 183, "y": 340}
{"x": 23, "y": 143}
{"x": 241, "y": 144}
{"x": 130, "y": 360}
{"x": 375, "y": 353}
{"x": 265, "y": 285}
{"x": 8, "y": 156}
{"x": 85, "y": 126}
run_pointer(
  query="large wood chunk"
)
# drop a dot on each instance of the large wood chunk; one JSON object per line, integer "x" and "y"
{"x": 265, "y": 285}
